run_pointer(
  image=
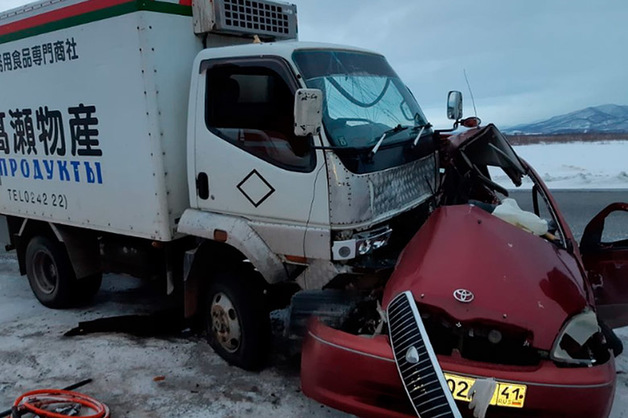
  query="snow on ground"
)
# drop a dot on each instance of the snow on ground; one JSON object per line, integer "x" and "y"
{"x": 34, "y": 354}
{"x": 575, "y": 165}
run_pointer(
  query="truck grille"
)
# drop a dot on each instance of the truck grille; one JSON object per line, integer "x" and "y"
{"x": 356, "y": 198}
{"x": 416, "y": 362}
{"x": 408, "y": 184}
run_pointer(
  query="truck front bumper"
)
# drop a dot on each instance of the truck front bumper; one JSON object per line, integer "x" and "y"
{"x": 358, "y": 375}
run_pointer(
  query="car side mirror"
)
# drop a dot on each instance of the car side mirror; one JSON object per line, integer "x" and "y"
{"x": 308, "y": 116}
{"x": 454, "y": 105}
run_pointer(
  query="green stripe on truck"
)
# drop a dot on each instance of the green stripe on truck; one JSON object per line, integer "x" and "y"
{"x": 96, "y": 15}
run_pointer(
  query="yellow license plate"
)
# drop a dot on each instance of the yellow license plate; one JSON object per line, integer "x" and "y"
{"x": 506, "y": 394}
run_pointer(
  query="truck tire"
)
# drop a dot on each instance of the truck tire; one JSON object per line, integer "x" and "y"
{"x": 237, "y": 320}
{"x": 49, "y": 272}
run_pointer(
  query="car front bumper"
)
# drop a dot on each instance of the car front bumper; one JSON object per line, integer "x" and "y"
{"x": 358, "y": 375}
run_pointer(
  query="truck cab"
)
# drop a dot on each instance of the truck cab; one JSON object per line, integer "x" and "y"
{"x": 324, "y": 201}
{"x": 315, "y": 209}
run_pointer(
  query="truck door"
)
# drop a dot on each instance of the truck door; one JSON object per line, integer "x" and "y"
{"x": 606, "y": 260}
{"x": 248, "y": 162}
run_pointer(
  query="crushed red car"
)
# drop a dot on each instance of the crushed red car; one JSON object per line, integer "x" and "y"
{"x": 502, "y": 293}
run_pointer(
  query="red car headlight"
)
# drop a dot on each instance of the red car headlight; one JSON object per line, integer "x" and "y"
{"x": 578, "y": 341}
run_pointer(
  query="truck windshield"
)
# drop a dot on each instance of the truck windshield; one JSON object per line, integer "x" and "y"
{"x": 364, "y": 98}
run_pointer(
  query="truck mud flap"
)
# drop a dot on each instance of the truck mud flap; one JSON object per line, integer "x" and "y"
{"x": 416, "y": 361}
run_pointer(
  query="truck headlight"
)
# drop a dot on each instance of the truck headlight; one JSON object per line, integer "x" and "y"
{"x": 365, "y": 247}
{"x": 361, "y": 244}
{"x": 576, "y": 340}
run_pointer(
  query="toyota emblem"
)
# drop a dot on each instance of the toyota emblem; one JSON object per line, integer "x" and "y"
{"x": 463, "y": 295}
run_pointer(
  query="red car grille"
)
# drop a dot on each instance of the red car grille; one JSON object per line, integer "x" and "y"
{"x": 471, "y": 340}
{"x": 417, "y": 364}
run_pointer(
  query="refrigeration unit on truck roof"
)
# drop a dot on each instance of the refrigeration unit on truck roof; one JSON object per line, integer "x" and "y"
{"x": 266, "y": 19}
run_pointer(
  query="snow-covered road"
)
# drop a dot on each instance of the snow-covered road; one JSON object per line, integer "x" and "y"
{"x": 197, "y": 383}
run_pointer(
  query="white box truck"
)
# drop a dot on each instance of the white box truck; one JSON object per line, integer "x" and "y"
{"x": 162, "y": 139}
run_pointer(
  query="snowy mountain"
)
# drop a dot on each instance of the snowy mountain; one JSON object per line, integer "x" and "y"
{"x": 608, "y": 118}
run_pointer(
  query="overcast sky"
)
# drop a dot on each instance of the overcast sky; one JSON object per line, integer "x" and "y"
{"x": 526, "y": 60}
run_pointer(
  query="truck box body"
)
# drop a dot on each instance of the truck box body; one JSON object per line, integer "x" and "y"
{"x": 93, "y": 114}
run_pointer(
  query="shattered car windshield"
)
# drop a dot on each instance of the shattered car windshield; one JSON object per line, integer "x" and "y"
{"x": 364, "y": 98}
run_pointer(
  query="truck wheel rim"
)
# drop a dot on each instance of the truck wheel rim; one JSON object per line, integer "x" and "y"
{"x": 225, "y": 323}
{"x": 45, "y": 272}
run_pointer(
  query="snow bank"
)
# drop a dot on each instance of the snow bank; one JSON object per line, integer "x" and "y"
{"x": 575, "y": 165}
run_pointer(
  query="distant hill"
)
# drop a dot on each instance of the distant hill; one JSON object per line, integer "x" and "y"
{"x": 608, "y": 118}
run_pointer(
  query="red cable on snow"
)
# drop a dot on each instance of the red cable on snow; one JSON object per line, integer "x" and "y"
{"x": 33, "y": 401}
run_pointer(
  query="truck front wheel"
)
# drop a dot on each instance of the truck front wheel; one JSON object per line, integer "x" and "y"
{"x": 49, "y": 272}
{"x": 237, "y": 320}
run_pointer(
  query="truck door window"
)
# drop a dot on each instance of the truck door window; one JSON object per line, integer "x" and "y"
{"x": 250, "y": 104}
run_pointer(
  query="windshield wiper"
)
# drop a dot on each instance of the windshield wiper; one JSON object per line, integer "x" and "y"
{"x": 394, "y": 130}
{"x": 423, "y": 127}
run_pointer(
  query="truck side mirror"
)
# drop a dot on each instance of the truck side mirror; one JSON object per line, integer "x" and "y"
{"x": 454, "y": 105}
{"x": 308, "y": 117}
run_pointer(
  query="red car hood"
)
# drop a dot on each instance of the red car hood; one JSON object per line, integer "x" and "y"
{"x": 516, "y": 278}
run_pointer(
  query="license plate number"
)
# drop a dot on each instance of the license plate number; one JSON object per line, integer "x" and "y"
{"x": 506, "y": 394}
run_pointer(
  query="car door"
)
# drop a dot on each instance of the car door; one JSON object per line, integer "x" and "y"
{"x": 605, "y": 258}
{"x": 248, "y": 163}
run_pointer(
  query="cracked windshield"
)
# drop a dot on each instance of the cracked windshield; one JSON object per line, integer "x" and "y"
{"x": 364, "y": 98}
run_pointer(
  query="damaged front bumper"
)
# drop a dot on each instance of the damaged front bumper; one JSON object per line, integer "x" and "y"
{"x": 358, "y": 375}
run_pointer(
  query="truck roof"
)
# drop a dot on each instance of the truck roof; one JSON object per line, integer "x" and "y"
{"x": 50, "y": 15}
{"x": 283, "y": 49}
